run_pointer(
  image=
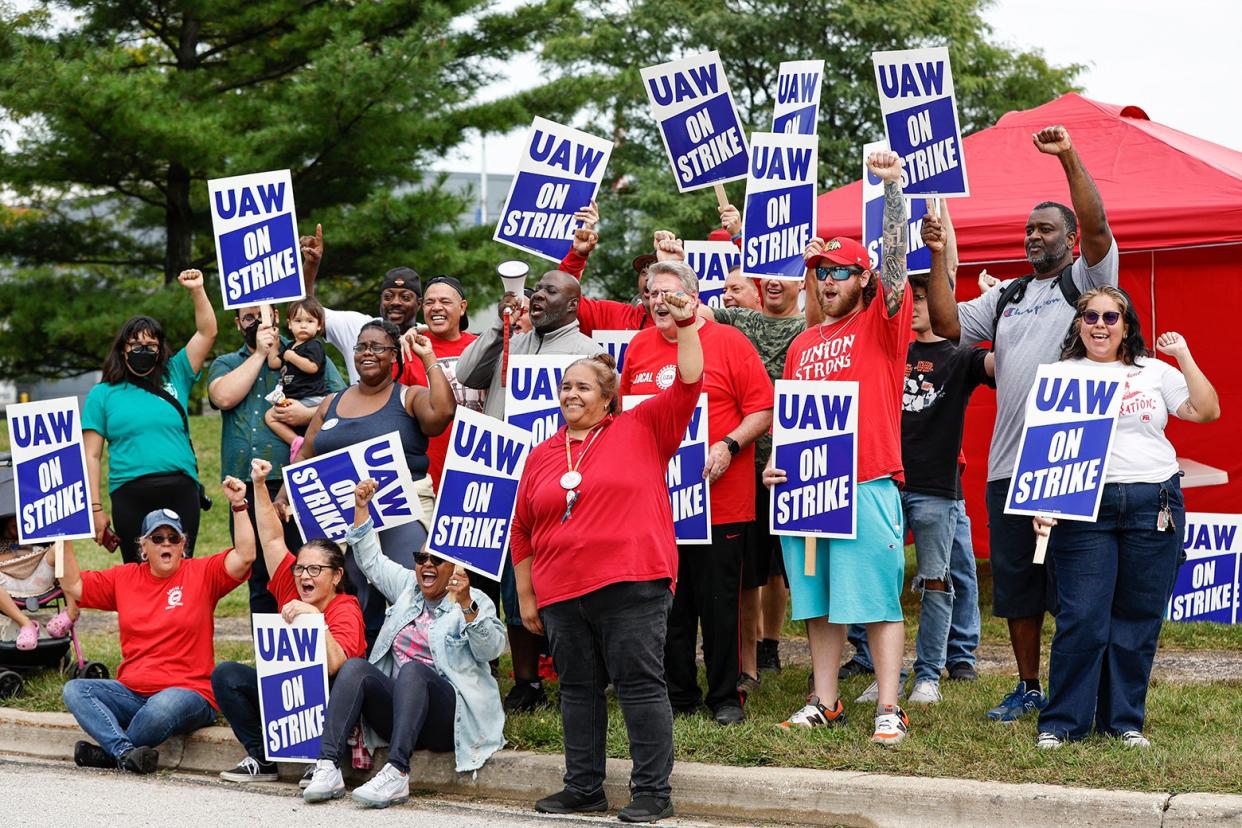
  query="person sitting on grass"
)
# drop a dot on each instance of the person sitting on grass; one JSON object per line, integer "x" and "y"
{"x": 428, "y": 683}
{"x": 313, "y": 582}
{"x": 165, "y": 605}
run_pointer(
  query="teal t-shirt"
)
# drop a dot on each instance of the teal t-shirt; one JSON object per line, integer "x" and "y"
{"x": 145, "y": 434}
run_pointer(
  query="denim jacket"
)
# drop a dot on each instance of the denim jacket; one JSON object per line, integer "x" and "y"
{"x": 461, "y": 651}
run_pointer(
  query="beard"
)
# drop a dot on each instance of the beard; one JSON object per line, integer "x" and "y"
{"x": 847, "y": 298}
{"x": 1049, "y": 258}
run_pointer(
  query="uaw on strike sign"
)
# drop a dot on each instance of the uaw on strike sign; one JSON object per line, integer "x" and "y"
{"x": 292, "y": 665}
{"x": 815, "y": 442}
{"x": 711, "y": 261}
{"x": 256, "y": 229}
{"x": 49, "y": 471}
{"x": 533, "y": 393}
{"x": 1206, "y": 588}
{"x": 688, "y": 491}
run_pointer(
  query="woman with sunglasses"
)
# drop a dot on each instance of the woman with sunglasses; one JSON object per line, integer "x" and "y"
{"x": 428, "y": 684}
{"x": 1115, "y": 576}
{"x": 374, "y": 406}
{"x": 139, "y": 409}
{"x": 165, "y": 607}
{"x": 313, "y": 582}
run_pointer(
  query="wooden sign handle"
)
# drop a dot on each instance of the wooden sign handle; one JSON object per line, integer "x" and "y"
{"x": 808, "y": 567}
{"x": 1041, "y": 548}
{"x": 265, "y": 315}
{"x": 722, "y": 200}
{"x": 58, "y": 558}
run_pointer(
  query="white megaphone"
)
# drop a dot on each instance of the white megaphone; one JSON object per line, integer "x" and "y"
{"x": 513, "y": 274}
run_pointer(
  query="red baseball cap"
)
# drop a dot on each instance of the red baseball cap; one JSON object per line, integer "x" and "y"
{"x": 845, "y": 251}
{"x": 719, "y": 234}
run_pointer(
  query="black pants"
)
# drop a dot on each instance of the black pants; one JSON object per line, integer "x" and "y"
{"x": 616, "y": 631}
{"x": 236, "y": 688}
{"x": 416, "y": 710}
{"x": 142, "y": 495}
{"x": 708, "y": 579}
{"x": 260, "y": 599}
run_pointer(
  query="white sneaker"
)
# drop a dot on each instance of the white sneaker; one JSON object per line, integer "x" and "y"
{"x": 925, "y": 691}
{"x": 1135, "y": 739}
{"x": 388, "y": 787}
{"x": 1048, "y": 741}
{"x": 891, "y": 727}
{"x": 872, "y": 693}
{"x": 326, "y": 783}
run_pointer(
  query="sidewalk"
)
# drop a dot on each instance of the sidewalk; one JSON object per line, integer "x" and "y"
{"x": 741, "y": 795}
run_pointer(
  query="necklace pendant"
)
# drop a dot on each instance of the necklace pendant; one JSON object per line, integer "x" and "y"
{"x": 571, "y": 480}
{"x": 571, "y": 497}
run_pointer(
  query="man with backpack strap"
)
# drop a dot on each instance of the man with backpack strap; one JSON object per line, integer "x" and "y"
{"x": 1026, "y": 319}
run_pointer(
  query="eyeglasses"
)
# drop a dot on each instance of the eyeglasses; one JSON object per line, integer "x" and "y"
{"x": 142, "y": 348}
{"x": 312, "y": 570}
{"x": 1110, "y": 317}
{"x": 838, "y": 274}
{"x": 373, "y": 348}
{"x": 421, "y": 558}
{"x": 248, "y": 320}
{"x": 161, "y": 539}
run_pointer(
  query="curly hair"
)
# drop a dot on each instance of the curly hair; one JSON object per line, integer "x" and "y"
{"x": 605, "y": 369}
{"x": 1132, "y": 345}
{"x": 394, "y": 335}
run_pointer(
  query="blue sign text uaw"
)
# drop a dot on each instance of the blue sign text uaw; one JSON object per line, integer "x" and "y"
{"x": 818, "y": 495}
{"x": 779, "y": 218}
{"x": 255, "y": 226}
{"x": 49, "y": 470}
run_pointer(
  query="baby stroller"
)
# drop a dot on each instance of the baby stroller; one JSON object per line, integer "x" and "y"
{"x": 20, "y": 562}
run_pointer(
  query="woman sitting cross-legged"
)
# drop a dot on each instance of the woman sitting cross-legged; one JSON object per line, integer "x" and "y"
{"x": 428, "y": 683}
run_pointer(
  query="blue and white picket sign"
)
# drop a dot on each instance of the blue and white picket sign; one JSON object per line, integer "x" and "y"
{"x": 689, "y": 493}
{"x": 292, "y": 663}
{"x": 321, "y": 490}
{"x": 616, "y": 343}
{"x": 796, "y": 107}
{"x": 779, "y": 217}
{"x": 920, "y": 119}
{"x": 49, "y": 471}
{"x": 256, "y": 229}
{"x": 711, "y": 261}
{"x": 478, "y": 492}
{"x": 815, "y": 442}
{"x": 532, "y": 393}
{"x": 1071, "y": 414}
{"x": 702, "y": 133}
{"x": 558, "y": 173}
{"x": 1207, "y": 584}
{"x": 918, "y": 257}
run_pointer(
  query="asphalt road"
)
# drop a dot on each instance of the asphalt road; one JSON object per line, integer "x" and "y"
{"x": 33, "y": 792}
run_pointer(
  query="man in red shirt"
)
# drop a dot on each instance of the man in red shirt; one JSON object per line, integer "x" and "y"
{"x": 858, "y": 581}
{"x": 739, "y": 409}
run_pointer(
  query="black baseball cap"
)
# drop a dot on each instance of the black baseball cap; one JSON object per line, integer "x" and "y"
{"x": 455, "y": 284}
{"x": 403, "y": 277}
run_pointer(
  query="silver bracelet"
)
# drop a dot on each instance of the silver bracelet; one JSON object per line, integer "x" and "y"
{"x": 434, "y": 365}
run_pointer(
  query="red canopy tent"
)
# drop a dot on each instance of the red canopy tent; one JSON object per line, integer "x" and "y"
{"x": 1174, "y": 203}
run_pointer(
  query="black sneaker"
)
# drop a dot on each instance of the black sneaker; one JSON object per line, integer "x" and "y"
{"x": 963, "y": 671}
{"x": 140, "y": 760}
{"x": 525, "y": 697}
{"x": 728, "y": 714}
{"x": 852, "y": 668}
{"x": 90, "y": 755}
{"x": 645, "y": 808}
{"x": 252, "y": 770}
{"x": 769, "y": 655}
{"x": 568, "y": 802}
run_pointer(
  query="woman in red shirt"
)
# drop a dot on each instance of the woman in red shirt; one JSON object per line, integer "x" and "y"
{"x": 313, "y": 582}
{"x": 165, "y": 605}
{"x": 601, "y": 589}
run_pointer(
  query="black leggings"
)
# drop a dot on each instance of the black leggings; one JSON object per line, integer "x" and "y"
{"x": 416, "y": 710}
{"x": 142, "y": 495}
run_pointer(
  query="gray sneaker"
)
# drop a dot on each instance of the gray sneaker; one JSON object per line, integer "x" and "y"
{"x": 388, "y": 787}
{"x": 925, "y": 691}
{"x": 872, "y": 693}
{"x": 326, "y": 783}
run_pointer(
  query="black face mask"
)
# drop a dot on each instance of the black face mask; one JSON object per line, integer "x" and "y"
{"x": 141, "y": 364}
{"x": 250, "y": 333}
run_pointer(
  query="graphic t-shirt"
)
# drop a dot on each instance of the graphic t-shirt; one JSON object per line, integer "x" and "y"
{"x": 736, "y": 386}
{"x": 447, "y": 352}
{"x": 167, "y": 625}
{"x": 299, "y": 384}
{"x": 940, "y": 377}
{"x": 343, "y": 615}
{"x": 870, "y": 348}
{"x": 412, "y": 641}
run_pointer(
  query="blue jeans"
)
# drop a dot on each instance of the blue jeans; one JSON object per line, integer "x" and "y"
{"x": 1114, "y": 580}
{"x": 949, "y": 618}
{"x": 120, "y": 719}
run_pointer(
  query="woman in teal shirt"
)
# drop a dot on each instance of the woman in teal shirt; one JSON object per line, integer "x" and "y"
{"x": 151, "y": 463}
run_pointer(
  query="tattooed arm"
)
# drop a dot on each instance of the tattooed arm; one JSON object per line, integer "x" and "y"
{"x": 887, "y": 167}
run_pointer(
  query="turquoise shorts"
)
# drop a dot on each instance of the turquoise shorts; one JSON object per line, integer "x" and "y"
{"x": 856, "y": 581}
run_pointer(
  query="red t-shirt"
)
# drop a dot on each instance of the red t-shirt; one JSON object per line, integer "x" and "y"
{"x": 871, "y": 348}
{"x": 343, "y": 615}
{"x": 447, "y": 351}
{"x": 602, "y": 314}
{"x": 167, "y": 624}
{"x": 736, "y": 383}
{"x": 622, "y": 471}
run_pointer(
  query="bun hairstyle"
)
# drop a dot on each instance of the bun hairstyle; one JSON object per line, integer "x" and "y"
{"x": 605, "y": 369}
{"x": 336, "y": 560}
{"x": 394, "y": 335}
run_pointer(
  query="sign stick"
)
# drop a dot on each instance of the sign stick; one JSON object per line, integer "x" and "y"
{"x": 808, "y": 566}
{"x": 265, "y": 315}
{"x": 58, "y": 556}
{"x": 722, "y": 200}
{"x": 1041, "y": 546}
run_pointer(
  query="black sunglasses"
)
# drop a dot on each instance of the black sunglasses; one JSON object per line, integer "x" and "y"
{"x": 421, "y": 558}
{"x": 1111, "y": 318}
{"x": 161, "y": 539}
{"x": 838, "y": 274}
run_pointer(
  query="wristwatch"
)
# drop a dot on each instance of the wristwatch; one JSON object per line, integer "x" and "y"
{"x": 473, "y": 609}
{"x": 732, "y": 445}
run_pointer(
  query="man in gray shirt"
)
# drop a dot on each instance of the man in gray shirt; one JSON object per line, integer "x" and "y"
{"x": 1028, "y": 333}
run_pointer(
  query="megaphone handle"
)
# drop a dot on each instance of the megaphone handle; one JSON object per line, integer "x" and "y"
{"x": 504, "y": 362}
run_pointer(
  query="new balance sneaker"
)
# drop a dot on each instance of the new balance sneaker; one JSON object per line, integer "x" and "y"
{"x": 1134, "y": 739}
{"x": 925, "y": 691}
{"x": 251, "y": 770}
{"x": 326, "y": 783}
{"x": 525, "y": 696}
{"x": 962, "y": 671}
{"x": 872, "y": 693}
{"x": 646, "y": 808}
{"x": 388, "y": 787}
{"x": 852, "y": 668}
{"x": 1048, "y": 741}
{"x": 769, "y": 655}
{"x": 814, "y": 714}
{"x": 891, "y": 725}
{"x": 1018, "y": 703}
{"x": 305, "y": 781}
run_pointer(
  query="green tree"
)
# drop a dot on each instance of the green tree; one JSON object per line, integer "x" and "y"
{"x": 605, "y": 51}
{"x": 121, "y": 110}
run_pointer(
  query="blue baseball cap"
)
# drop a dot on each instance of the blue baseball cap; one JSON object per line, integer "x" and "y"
{"x": 161, "y": 517}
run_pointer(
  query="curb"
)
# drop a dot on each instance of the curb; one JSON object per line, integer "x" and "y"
{"x": 789, "y": 795}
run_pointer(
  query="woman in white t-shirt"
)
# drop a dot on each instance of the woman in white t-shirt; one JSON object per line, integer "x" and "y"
{"x": 1114, "y": 576}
